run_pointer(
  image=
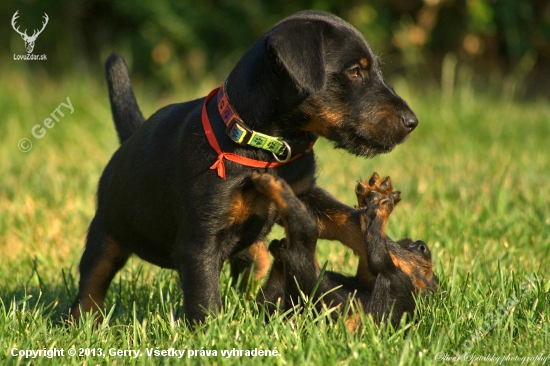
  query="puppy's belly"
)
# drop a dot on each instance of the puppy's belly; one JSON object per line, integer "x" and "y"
{"x": 146, "y": 242}
{"x": 156, "y": 256}
{"x": 154, "y": 249}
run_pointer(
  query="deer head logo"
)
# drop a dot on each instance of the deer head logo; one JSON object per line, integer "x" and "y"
{"x": 29, "y": 40}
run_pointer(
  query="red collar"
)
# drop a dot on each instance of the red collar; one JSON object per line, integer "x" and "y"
{"x": 219, "y": 164}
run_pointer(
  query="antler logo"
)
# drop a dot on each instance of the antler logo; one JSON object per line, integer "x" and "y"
{"x": 29, "y": 41}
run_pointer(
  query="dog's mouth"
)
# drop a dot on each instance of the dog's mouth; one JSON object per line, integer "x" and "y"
{"x": 365, "y": 134}
{"x": 360, "y": 144}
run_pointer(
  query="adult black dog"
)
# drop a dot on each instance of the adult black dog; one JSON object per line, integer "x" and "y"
{"x": 177, "y": 192}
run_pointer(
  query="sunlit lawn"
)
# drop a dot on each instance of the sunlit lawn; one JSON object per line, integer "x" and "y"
{"x": 475, "y": 182}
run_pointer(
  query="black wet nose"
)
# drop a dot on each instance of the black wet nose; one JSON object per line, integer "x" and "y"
{"x": 409, "y": 121}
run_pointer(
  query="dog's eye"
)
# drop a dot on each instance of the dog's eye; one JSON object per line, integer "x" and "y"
{"x": 354, "y": 72}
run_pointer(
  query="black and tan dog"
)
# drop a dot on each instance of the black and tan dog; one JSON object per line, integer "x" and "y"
{"x": 402, "y": 268}
{"x": 177, "y": 192}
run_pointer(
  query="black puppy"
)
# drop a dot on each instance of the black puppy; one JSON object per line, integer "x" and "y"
{"x": 401, "y": 268}
{"x": 177, "y": 192}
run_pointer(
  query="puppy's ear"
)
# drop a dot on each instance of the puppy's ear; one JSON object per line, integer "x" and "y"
{"x": 299, "y": 48}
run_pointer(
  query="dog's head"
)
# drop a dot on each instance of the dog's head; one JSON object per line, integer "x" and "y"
{"x": 315, "y": 72}
{"x": 415, "y": 260}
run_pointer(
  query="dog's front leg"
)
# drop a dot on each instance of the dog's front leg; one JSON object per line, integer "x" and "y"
{"x": 199, "y": 267}
{"x": 337, "y": 221}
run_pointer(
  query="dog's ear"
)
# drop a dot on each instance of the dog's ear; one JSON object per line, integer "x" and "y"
{"x": 299, "y": 48}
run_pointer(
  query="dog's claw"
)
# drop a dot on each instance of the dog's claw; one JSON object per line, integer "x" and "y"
{"x": 395, "y": 196}
{"x": 374, "y": 179}
{"x": 384, "y": 187}
{"x": 386, "y": 184}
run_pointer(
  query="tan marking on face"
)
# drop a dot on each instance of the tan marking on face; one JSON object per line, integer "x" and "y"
{"x": 427, "y": 270}
{"x": 419, "y": 285}
{"x": 417, "y": 269}
{"x": 402, "y": 264}
{"x": 364, "y": 62}
{"x": 323, "y": 120}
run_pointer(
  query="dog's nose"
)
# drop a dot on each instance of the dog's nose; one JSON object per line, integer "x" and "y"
{"x": 409, "y": 121}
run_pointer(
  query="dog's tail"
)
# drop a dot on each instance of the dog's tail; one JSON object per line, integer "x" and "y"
{"x": 126, "y": 113}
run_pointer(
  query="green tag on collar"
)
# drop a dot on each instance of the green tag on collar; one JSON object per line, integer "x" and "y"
{"x": 243, "y": 135}
{"x": 266, "y": 142}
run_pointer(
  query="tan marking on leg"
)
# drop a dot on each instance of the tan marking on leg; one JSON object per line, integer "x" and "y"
{"x": 239, "y": 208}
{"x": 353, "y": 322}
{"x": 272, "y": 188}
{"x": 260, "y": 254}
{"x": 92, "y": 293}
{"x": 383, "y": 215}
{"x": 364, "y": 275}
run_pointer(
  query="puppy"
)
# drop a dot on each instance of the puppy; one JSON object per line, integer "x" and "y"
{"x": 402, "y": 268}
{"x": 178, "y": 194}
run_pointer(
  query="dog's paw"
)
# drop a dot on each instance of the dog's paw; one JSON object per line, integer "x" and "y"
{"x": 277, "y": 248}
{"x": 269, "y": 185}
{"x": 383, "y": 186}
{"x": 263, "y": 182}
{"x": 277, "y": 190}
{"x": 380, "y": 205}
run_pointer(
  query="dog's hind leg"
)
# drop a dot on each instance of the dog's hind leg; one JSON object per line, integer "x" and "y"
{"x": 102, "y": 259}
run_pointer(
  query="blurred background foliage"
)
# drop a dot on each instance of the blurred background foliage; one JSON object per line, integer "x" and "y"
{"x": 173, "y": 44}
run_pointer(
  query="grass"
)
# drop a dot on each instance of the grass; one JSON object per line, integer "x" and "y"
{"x": 475, "y": 185}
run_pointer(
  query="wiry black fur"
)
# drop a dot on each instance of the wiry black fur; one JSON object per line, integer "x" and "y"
{"x": 158, "y": 197}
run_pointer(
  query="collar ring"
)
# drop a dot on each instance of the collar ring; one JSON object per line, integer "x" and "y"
{"x": 288, "y": 153}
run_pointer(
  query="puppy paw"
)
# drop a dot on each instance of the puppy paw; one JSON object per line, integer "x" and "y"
{"x": 277, "y": 248}
{"x": 276, "y": 189}
{"x": 383, "y": 186}
{"x": 380, "y": 205}
{"x": 265, "y": 183}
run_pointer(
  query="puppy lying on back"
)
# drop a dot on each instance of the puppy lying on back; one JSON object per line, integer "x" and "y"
{"x": 402, "y": 268}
